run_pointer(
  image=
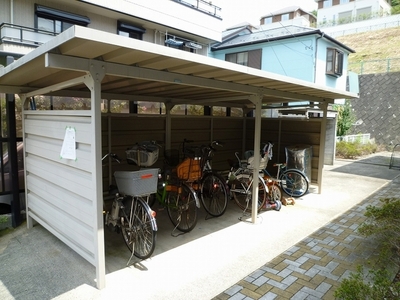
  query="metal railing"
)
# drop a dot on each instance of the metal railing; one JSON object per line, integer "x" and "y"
{"x": 203, "y": 6}
{"x": 391, "y": 64}
{"x": 360, "y": 138}
{"x": 10, "y": 33}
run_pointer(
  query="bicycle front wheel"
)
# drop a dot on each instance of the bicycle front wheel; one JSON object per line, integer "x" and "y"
{"x": 242, "y": 190}
{"x": 182, "y": 208}
{"x": 294, "y": 183}
{"x": 274, "y": 193}
{"x": 138, "y": 227}
{"x": 214, "y": 194}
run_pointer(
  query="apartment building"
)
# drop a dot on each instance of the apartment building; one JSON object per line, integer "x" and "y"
{"x": 27, "y": 24}
{"x": 291, "y": 15}
{"x": 336, "y": 12}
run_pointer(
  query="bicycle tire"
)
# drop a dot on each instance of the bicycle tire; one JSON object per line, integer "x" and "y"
{"x": 274, "y": 194}
{"x": 242, "y": 193}
{"x": 214, "y": 194}
{"x": 182, "y": 208}
{"x": 294, "y": 183}
{"x": 138, "y": 232}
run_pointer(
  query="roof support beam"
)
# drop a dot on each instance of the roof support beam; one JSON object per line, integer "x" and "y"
{"x": 82, "y": 64}
{"x": 56, "y": 87}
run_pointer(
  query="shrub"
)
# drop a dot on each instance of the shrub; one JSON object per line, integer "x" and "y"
{"x": 374, "y": 284}
{"x": 354, "y": 149}
{"x": 383, "y": 223}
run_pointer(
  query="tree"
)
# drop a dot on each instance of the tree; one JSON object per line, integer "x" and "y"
{"x": 345, "y": 118}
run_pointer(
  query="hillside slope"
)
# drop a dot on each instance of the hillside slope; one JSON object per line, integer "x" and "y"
{"x": 374, "y": 45}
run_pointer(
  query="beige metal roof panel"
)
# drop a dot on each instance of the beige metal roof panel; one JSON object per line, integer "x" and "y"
{"x": 142, "y": 69}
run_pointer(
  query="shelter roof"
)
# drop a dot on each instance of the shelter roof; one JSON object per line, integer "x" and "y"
{"x": 143, "y": 71}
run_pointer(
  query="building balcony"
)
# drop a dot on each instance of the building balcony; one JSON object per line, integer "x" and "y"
{"x": 203, "y": 6}
{"x": 20, "y": 40}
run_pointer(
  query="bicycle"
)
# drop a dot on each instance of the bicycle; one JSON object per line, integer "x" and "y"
{"x": 130, "y": 213}
{"x": 292, "y": 181}
{"x": 173, "y": 193}
{"x": 210, "y": 185}
{"x": 240, "y": 178}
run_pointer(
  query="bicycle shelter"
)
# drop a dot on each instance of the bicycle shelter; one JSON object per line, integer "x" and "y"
{"x": 64, "y": 194}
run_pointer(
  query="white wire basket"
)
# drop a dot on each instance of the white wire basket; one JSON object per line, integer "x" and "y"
{"x": 143, "y": 155}
{"x": 263, "y": 163}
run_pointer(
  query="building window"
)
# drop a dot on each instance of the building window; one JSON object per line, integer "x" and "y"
{"x": 284, "y": 17}
{"x": 334, "y": 62}
{"x": 250, "y": 58}
{"x": 268, "y": 20}
{"x": 327, "y": 3}
{"x": 344, "y": 1}
{"x": 238, "y": 58}
{"x": 129, "y": 30}
{"x": 57, "y": 21}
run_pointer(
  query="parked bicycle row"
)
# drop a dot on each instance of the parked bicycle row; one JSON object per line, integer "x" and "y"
{"x": 187, "y": 182}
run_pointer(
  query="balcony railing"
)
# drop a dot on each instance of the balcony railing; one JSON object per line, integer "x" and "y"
{"x": 10, "y": 33}
{"x": 203, "y": 6}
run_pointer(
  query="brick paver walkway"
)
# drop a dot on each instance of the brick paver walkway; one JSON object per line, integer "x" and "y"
{"x": 314, "y": 268}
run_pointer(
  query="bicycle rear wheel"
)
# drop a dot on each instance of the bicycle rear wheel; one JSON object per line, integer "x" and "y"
{"x": 182, "y": 208}
{"x": 242, "y": 190}
{"x": 294, "y": 183}
{"x": 138, "y": 227}
{"x": 214, "y": 195}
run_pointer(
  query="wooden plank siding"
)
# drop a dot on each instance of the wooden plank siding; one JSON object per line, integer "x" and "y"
{"x": 126, "y": 130}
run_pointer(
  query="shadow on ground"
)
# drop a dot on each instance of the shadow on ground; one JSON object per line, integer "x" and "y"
{"x": 369, "y": 166}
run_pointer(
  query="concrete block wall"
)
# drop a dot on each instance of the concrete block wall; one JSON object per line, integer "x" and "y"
{"x": 379, "y": 107}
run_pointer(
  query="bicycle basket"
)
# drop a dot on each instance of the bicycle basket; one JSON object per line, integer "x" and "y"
{"x": 137, "y": 183}
{"x": 144, "y": 154}
{"x": 189, "y": 170}
{"x": 263, "y": 163}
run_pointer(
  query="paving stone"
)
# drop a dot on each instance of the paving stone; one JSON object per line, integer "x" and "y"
{"x": 233, "y": 290}
{"x": 289, "y": 280}
{"x": 250, "y": 294}
{"x": 284, "y": 273}
{"x": 261, "y": 280}
{"x": 257, "y": 273}
{"x": 269, "y": 296}
{"x": 237, "y": 296}
{"x": 269, "y": 269}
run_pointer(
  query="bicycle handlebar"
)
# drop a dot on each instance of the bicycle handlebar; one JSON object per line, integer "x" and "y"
{"x": 113, "y": 156}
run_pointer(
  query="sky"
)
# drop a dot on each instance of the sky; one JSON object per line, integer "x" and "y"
{"x": 238, "y": 11}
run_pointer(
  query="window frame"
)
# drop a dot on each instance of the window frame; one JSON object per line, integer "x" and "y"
{"x": 132, "y": 31}
{"x": 285, "y": 17}
{"x": 334, "y": 62}
{"x": 60, "y": 19}
{"x": 251, "y": 58}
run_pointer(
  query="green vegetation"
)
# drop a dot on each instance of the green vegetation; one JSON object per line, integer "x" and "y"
{"x": 345, "y": 118}
{"x": 352, "y": 150}
{"x": 376, "y": 284}
{"x": 383, "y": 224}
{"x": 376, "y": 45}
